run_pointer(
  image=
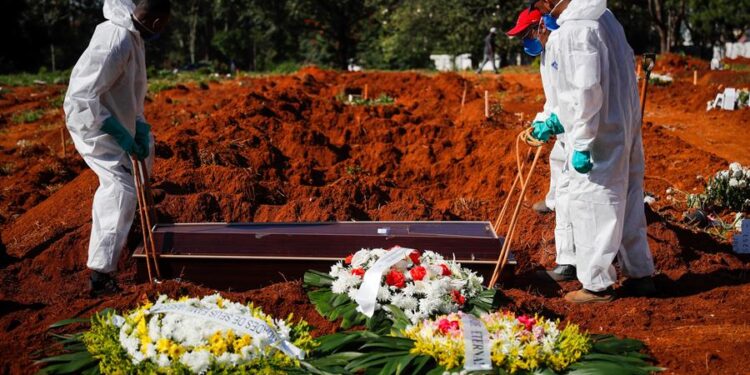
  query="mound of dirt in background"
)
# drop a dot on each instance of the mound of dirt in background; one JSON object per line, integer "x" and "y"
{"x": 678, "y": 65}
{"x": 284, "y": 148}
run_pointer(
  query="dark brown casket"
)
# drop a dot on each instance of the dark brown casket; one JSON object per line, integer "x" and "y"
{"x": 247, "y": 256}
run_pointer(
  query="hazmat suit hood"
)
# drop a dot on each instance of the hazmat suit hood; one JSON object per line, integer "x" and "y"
{"x": 579, "y": 10}
{"x": 119, "y": 13}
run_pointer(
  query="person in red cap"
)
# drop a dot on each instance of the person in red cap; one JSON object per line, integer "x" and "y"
{"x": 596, "y": 96}
{"x": 528, "y": 21}
{"x": 489, "y": 51}
{"x": 536, "y": 36}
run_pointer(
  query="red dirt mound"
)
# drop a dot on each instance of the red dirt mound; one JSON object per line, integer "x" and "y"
{"x": 678, "y": 65}
{"x": 286, "y": 149}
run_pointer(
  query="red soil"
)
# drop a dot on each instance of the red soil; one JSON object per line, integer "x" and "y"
{"x": 283, "y": 149}
{"x": 673, "y": 64}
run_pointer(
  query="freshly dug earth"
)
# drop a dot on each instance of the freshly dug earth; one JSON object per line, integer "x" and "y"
{"x": 284, "y": 148}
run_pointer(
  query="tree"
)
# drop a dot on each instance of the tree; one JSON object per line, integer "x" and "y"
{"x": 667, "y": 16}
{"x": 335, "y": 25}
{"x": 410, "y": 31}
{"x": 712, "y": 21}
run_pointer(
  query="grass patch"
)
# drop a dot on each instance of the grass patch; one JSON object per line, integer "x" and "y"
{"x": 28, "y": 79}
{"x": 353, "y": 170}
{"x": 167, "y": 80}
{"x": 383, "y": 99}
{"x": 26, "y": 117}
{"x": 514, "y": 69}
{"x": 56, "y": 101}
{"x": 739, "y": 67}
{"x": 7, "y": 169}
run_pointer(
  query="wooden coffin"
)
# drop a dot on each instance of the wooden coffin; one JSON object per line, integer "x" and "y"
{"x": 247, "y": 256}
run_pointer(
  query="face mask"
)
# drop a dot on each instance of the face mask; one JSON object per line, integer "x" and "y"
{"x": 550, "y": 22}
{"x": 153, "y": 35}
{"x": 152, "y": 38}
{"x": 533, "y": 47}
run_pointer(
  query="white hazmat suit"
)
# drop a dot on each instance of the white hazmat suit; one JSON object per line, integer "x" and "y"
{"x": 597, "y": 99}
{"x": 557, "y": 197}
{"x": 109, "y": 80}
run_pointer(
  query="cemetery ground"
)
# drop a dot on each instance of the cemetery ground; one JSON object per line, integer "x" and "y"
{"x": 289, "y": 148}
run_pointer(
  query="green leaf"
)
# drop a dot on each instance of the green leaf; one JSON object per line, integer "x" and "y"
{"x": 544, "y": 371}
{"x": 400, "y": 320}
{"x": 487, "y": 300}
{"x": 66, "y": 322}
{"x": 609, "y": 368}
{"x": 339, "y": 341}
{"x": 420, "y": 363}
{"x": 72, "y": 363}
{"x": 615, "y": 358}
{"x": 390, "y": 343}
{"x": 338, "y": 359}
{"x": 403, "y": 363}
{"x": 438, "y": 370}
{"x": 614, "y": 345}
{"x": 316, "y": 279}
{"x": 66, "y": 357}
{"x": 371, "y": 360}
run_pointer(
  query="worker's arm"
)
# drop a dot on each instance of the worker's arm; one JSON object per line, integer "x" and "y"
{"x": 101, "y": 65}
{"x": 584, "y": 80}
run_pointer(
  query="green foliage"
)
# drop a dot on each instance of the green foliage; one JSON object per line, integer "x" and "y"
{"x": 382, "y": 99}
{"x": 728, "y": 189}
{"x": 739, "y": 67}
{"x": 711, "y": 21}
{"x": 286, "y": 67}
{"x": 74, "y": 357}
{"x": 353, "y": 170}
{"x": 29, "y": 79}
{"x": 7, "y": 169}
{"x": 260, "y": 35}
{"x": 404, "y": 36}
{"x": 56, "y": 101}
{"x": 26, "y": 117}
{"x": 353, "y": 352}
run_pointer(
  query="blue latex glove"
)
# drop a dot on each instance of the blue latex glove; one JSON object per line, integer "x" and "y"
{"x": 582, "y": 161}
{"x": 113, "y": 127}
{"x": 142, "y": 139}
{"x": 545, "y": 129}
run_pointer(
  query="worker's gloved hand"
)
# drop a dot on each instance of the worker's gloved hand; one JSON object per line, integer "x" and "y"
{"x": 582, "y": 161}
{"x": 545, "y": 129}
{"x": 113, "y": 127}
{"x": 142, "y": 139}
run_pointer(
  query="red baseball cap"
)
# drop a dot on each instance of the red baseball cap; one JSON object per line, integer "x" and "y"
{"x": 528, "y": 17}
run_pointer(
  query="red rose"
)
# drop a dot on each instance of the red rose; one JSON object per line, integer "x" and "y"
{"x": 418, "y": 273}
{"x": 458, "y": 298}
{"x": 395, "y": 278}
{"x": 348, "y": 259}
{"x": 446, "y": 270}
{"x": 359, "y": 272}
{"x": 528, "y": 322}
{"x": 414, "y": 256}
{"x": 445, "y": 326}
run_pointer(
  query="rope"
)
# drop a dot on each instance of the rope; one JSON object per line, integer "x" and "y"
{"x": 502, "y": 260}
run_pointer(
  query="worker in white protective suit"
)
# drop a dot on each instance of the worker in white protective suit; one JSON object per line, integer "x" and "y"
{"x": 597, "y": 102}
{"x": 104, "y": 114}
{"x": 536, "y": 30}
